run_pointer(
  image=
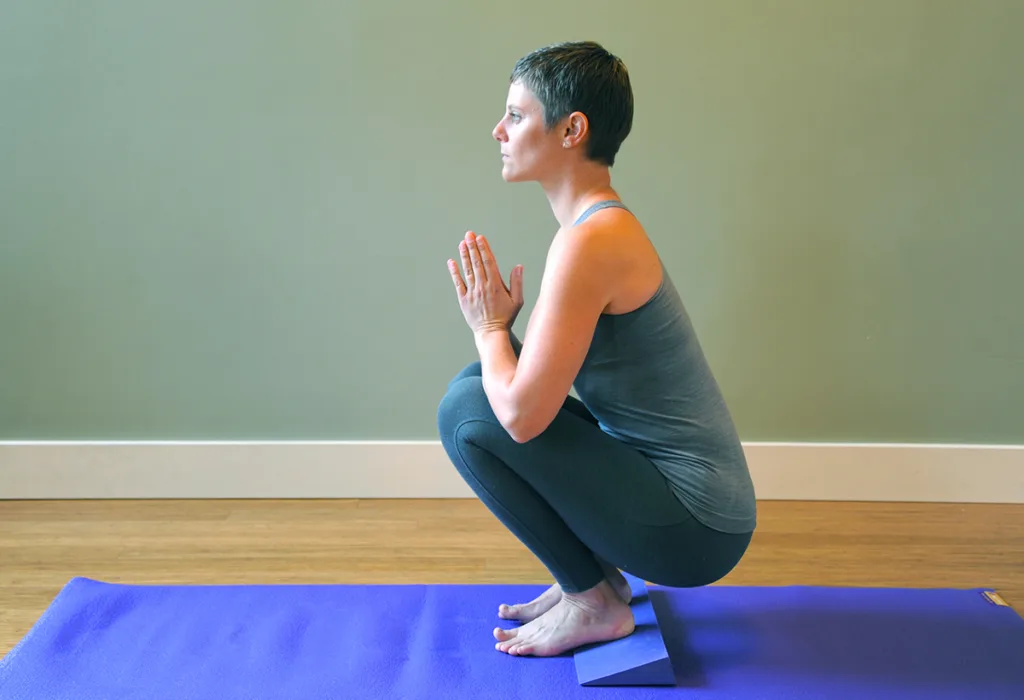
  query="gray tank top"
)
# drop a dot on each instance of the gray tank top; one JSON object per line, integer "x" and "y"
{"x": 646, "y": 380}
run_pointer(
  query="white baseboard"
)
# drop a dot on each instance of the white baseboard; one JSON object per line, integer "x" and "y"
{"x": 420, "y": 469}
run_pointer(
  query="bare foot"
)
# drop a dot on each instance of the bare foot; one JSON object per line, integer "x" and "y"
{"x": 619, "y": 583}
{"x": 597, "y": 615}
{"x": 534, "y": 609}
{"x": 525, "y": 612}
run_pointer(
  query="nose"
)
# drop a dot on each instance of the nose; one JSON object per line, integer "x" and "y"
{"x": 498, "y": 132}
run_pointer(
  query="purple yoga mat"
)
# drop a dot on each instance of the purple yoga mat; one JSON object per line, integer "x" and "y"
{"x": 112, "y": 641}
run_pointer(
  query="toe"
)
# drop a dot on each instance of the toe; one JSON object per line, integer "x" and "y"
{"x": 523, "y": 647}
{"x": 505, "y": 647}
{"x": 504, "y": 635}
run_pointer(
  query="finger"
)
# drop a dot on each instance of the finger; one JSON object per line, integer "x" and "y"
{"x": 474, "y": 256}
{"x": 460, "y": 286}
{"x": 490, "y": 265}
{"x": 467, "y": 266}
{"x": 516, "y": 283}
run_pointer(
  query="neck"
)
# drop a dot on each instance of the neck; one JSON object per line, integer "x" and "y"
{"x": 576, "y": 189}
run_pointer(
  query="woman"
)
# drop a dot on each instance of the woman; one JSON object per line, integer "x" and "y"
{"x": 645, "y": 473}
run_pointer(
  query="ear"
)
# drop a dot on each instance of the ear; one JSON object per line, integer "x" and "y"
{"x": 576, "y": 129}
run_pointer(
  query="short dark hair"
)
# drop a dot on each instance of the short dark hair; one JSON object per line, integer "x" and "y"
{"x": 582, "y": 76}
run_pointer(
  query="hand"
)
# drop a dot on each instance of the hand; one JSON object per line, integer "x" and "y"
{"x": 486, "y": 302}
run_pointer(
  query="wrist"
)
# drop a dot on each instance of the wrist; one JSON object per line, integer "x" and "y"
{"x": 491, "y": 330}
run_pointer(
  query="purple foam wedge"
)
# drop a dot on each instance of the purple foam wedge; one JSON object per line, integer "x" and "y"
{"x": 639, "y": 659}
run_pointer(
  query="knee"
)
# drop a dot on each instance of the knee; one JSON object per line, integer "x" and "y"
{"x": 473, "y": 369}
{"x": 465, "y": 400}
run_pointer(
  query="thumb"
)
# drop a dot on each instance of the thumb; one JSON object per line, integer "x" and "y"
{"x": 516, "y": 283}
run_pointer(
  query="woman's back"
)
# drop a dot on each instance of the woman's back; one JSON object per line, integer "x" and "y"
{"x": 647, "y": 381}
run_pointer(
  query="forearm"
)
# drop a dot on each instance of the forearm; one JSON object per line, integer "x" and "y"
{"x": 498, "y": 363}
{"x": 517, "y": 345}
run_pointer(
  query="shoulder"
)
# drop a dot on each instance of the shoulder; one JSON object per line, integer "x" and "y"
{"x": 599, "y": 244}
{"x": 608, "y": 257}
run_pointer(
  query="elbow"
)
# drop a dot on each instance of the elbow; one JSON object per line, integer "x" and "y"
{"x": 521, "y": 438}
{"x": 522, "y": 429}
{"x": 524, "y": 419}
{"x": 520, "y": 435}
{"x": 517, "y": 429}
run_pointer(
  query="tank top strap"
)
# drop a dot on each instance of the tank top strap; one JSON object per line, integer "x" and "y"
{"x": 597, "y": 207}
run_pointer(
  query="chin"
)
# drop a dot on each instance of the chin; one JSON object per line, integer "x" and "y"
{"x": 512, "y": 176}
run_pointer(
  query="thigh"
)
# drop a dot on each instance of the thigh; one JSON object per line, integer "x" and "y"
{"x": 621, "y": 507}
{"x": 592, "y": 477}
{"x": 601, "y": 487}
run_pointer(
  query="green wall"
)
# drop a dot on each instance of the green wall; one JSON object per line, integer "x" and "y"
{"x": 226, "y": 219}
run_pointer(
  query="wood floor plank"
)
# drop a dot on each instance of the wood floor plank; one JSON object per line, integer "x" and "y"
{"x": 43, "y": 544}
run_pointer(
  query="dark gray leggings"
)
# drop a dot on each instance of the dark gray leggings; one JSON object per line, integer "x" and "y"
{"x": 575, "y": 496}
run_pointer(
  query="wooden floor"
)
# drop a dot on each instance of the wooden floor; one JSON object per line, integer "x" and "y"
{"x": 45, "y": 543}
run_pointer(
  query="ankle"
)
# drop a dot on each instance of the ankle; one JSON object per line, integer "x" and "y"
{"x": 599, "y": 597}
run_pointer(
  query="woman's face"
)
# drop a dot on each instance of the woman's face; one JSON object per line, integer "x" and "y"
{"x": 528, "y": 149}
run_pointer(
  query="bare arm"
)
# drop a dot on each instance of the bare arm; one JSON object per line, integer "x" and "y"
{"x": 517, "y": 345}
{"x": 527, "y": 391}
